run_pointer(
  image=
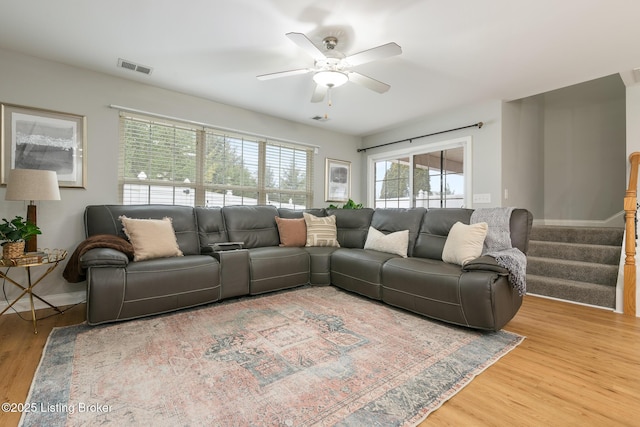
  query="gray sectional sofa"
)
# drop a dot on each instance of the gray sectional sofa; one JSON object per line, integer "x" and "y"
{"x": 478, "y": 295}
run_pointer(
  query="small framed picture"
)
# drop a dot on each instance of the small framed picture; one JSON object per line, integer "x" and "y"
{"x": 337, "y": 187}
{"x": 33, "y": 138}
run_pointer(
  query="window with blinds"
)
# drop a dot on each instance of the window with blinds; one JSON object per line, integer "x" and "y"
{"x": 177, "y": 164}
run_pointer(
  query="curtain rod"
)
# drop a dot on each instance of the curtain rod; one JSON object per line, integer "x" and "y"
{"x": 192, "y": 122}
{"x": 478, "y": 125}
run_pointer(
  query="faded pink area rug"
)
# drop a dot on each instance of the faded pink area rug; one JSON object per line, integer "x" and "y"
{"x": 305, "y": 357}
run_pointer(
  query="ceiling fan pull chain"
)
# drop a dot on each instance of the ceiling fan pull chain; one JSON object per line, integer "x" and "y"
{"x": 330, "y": 86}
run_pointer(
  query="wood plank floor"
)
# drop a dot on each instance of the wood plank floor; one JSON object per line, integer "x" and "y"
{"x": 578, "y": 366}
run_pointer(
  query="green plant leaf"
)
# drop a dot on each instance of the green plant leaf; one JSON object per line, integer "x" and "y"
{"x": 349, "y": 205}
{"x": 18, "y": 229}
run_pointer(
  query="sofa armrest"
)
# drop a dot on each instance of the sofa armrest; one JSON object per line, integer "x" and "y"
{"x": 485, "y": 263}
{"x": 206, "y": 250}
{"x": 103, "y": 257}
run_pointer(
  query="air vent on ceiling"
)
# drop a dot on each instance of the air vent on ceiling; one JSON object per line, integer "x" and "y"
{"x": 320, "y": 118}
{"x": 129, "y": 65}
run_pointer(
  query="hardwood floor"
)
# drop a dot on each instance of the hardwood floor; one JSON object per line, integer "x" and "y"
{"x": 20, "y": 352}
{"x": 578, "y": 366}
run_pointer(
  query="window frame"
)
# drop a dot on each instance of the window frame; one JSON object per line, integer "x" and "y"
{"x": 466, "y": 143}
{"x": 201, "y": 188}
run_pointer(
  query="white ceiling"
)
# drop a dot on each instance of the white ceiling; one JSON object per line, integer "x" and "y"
{"x": 455, "y": 52}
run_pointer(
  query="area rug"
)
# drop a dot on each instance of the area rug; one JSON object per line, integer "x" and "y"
{"x": 305, "y": 357}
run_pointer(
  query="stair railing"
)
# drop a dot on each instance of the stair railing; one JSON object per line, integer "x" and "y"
{"x": 631, "y": 208}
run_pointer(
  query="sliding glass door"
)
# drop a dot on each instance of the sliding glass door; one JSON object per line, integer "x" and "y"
{"x": 430, "y": 178}
{"x": 392, "y": 183}
{"x": 438, "y": 179}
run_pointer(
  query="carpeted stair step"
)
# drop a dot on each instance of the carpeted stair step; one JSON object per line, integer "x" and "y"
{"x": 573, "y": 270}
{"x": 582, "y": 235}
{"x": 575, "y": 263}
{"x": 601, "y": 254}
{"x": 583, "y": 292}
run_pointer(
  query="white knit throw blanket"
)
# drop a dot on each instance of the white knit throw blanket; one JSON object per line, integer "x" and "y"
{"x": 497, "y": 244}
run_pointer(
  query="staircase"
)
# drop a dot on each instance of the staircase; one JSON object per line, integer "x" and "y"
{"x": 575, "y": 263}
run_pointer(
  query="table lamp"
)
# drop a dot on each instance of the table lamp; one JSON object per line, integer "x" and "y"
{"x": 32, "y": 185}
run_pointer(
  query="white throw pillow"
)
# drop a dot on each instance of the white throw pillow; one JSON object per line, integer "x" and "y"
{"x": 394, "y": 243}
{"x": 151, "y": 238}
{"x": 321, "y": 230}
{"x": 464, "y": 242}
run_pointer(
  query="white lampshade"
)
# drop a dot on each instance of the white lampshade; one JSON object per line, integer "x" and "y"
{"x": 32, "y": 184}
{"x": 330, "y": 78}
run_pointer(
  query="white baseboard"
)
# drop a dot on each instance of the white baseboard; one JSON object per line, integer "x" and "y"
{"x": 615, "y": 221}
{"x": 59, "y": 300}
{"x": 570, "y": 302}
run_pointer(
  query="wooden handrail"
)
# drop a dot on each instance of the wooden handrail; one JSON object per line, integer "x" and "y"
{"x": 630, "y": 208}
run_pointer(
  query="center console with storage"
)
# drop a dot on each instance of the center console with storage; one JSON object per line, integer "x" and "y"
{"x": 234, "y": 269}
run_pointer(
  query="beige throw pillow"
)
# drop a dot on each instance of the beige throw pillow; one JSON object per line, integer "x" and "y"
{"x": 464, "y": 242}
{"x": 394, "y": 243}
{"x": 321, "y": 231}
{"x": 151, "y": 238}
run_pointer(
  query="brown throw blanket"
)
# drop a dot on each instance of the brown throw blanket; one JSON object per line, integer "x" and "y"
{"x": 73, "y": 271}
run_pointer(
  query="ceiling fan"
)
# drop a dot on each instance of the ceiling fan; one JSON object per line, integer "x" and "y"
{"x": 333, "y": 68}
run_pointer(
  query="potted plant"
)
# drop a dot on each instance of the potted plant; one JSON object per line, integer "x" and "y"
{"x": 349, "y": 205}
{"x": 14, "y": 234}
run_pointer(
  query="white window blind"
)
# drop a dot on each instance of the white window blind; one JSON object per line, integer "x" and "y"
{"x": 286, "y": 178}
{"x": 164, "y": 162}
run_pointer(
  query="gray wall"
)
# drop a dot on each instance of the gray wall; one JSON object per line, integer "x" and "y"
{"x": 564, "y": 151}
{"x": 486, "y": 143}
{"x": 558, "y": 154}
{"x": 523, "y": 154}
{"x": 44, "y": 84}
{"x": 584, "y": 147}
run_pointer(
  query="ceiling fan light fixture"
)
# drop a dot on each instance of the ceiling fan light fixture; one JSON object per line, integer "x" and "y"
{"x": 330, "y": 78}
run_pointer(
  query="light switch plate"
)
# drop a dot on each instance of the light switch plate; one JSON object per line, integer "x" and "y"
{"x": 482, "y": 198}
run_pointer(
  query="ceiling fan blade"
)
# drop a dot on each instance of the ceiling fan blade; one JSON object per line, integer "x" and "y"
{"x": 368, "y": 82}
{"x": 283, "y": 74}
{"x": 379, "y": 52}
{"x": 307, "y": 45}
{"x": 319, "y": 92}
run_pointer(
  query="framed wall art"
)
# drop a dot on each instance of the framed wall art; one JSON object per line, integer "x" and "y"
{"x": 337, "y": 187}
{"x": 33, "y": 138}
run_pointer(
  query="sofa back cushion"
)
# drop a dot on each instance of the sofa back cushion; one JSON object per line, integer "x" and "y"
{"x": 103, "y": 219}
{"x": 392, "y": 220}
{"x": 295, "y": 213}
{"x": 211, "y": 228}
{"x": 253, "y": 225}
{"x": 437, "y": 223}
{"x": 352, "y": 225}
{"x": 435, "y": 229}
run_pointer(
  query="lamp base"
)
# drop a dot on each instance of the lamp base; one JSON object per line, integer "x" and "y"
{"x": 32, "y": 243}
